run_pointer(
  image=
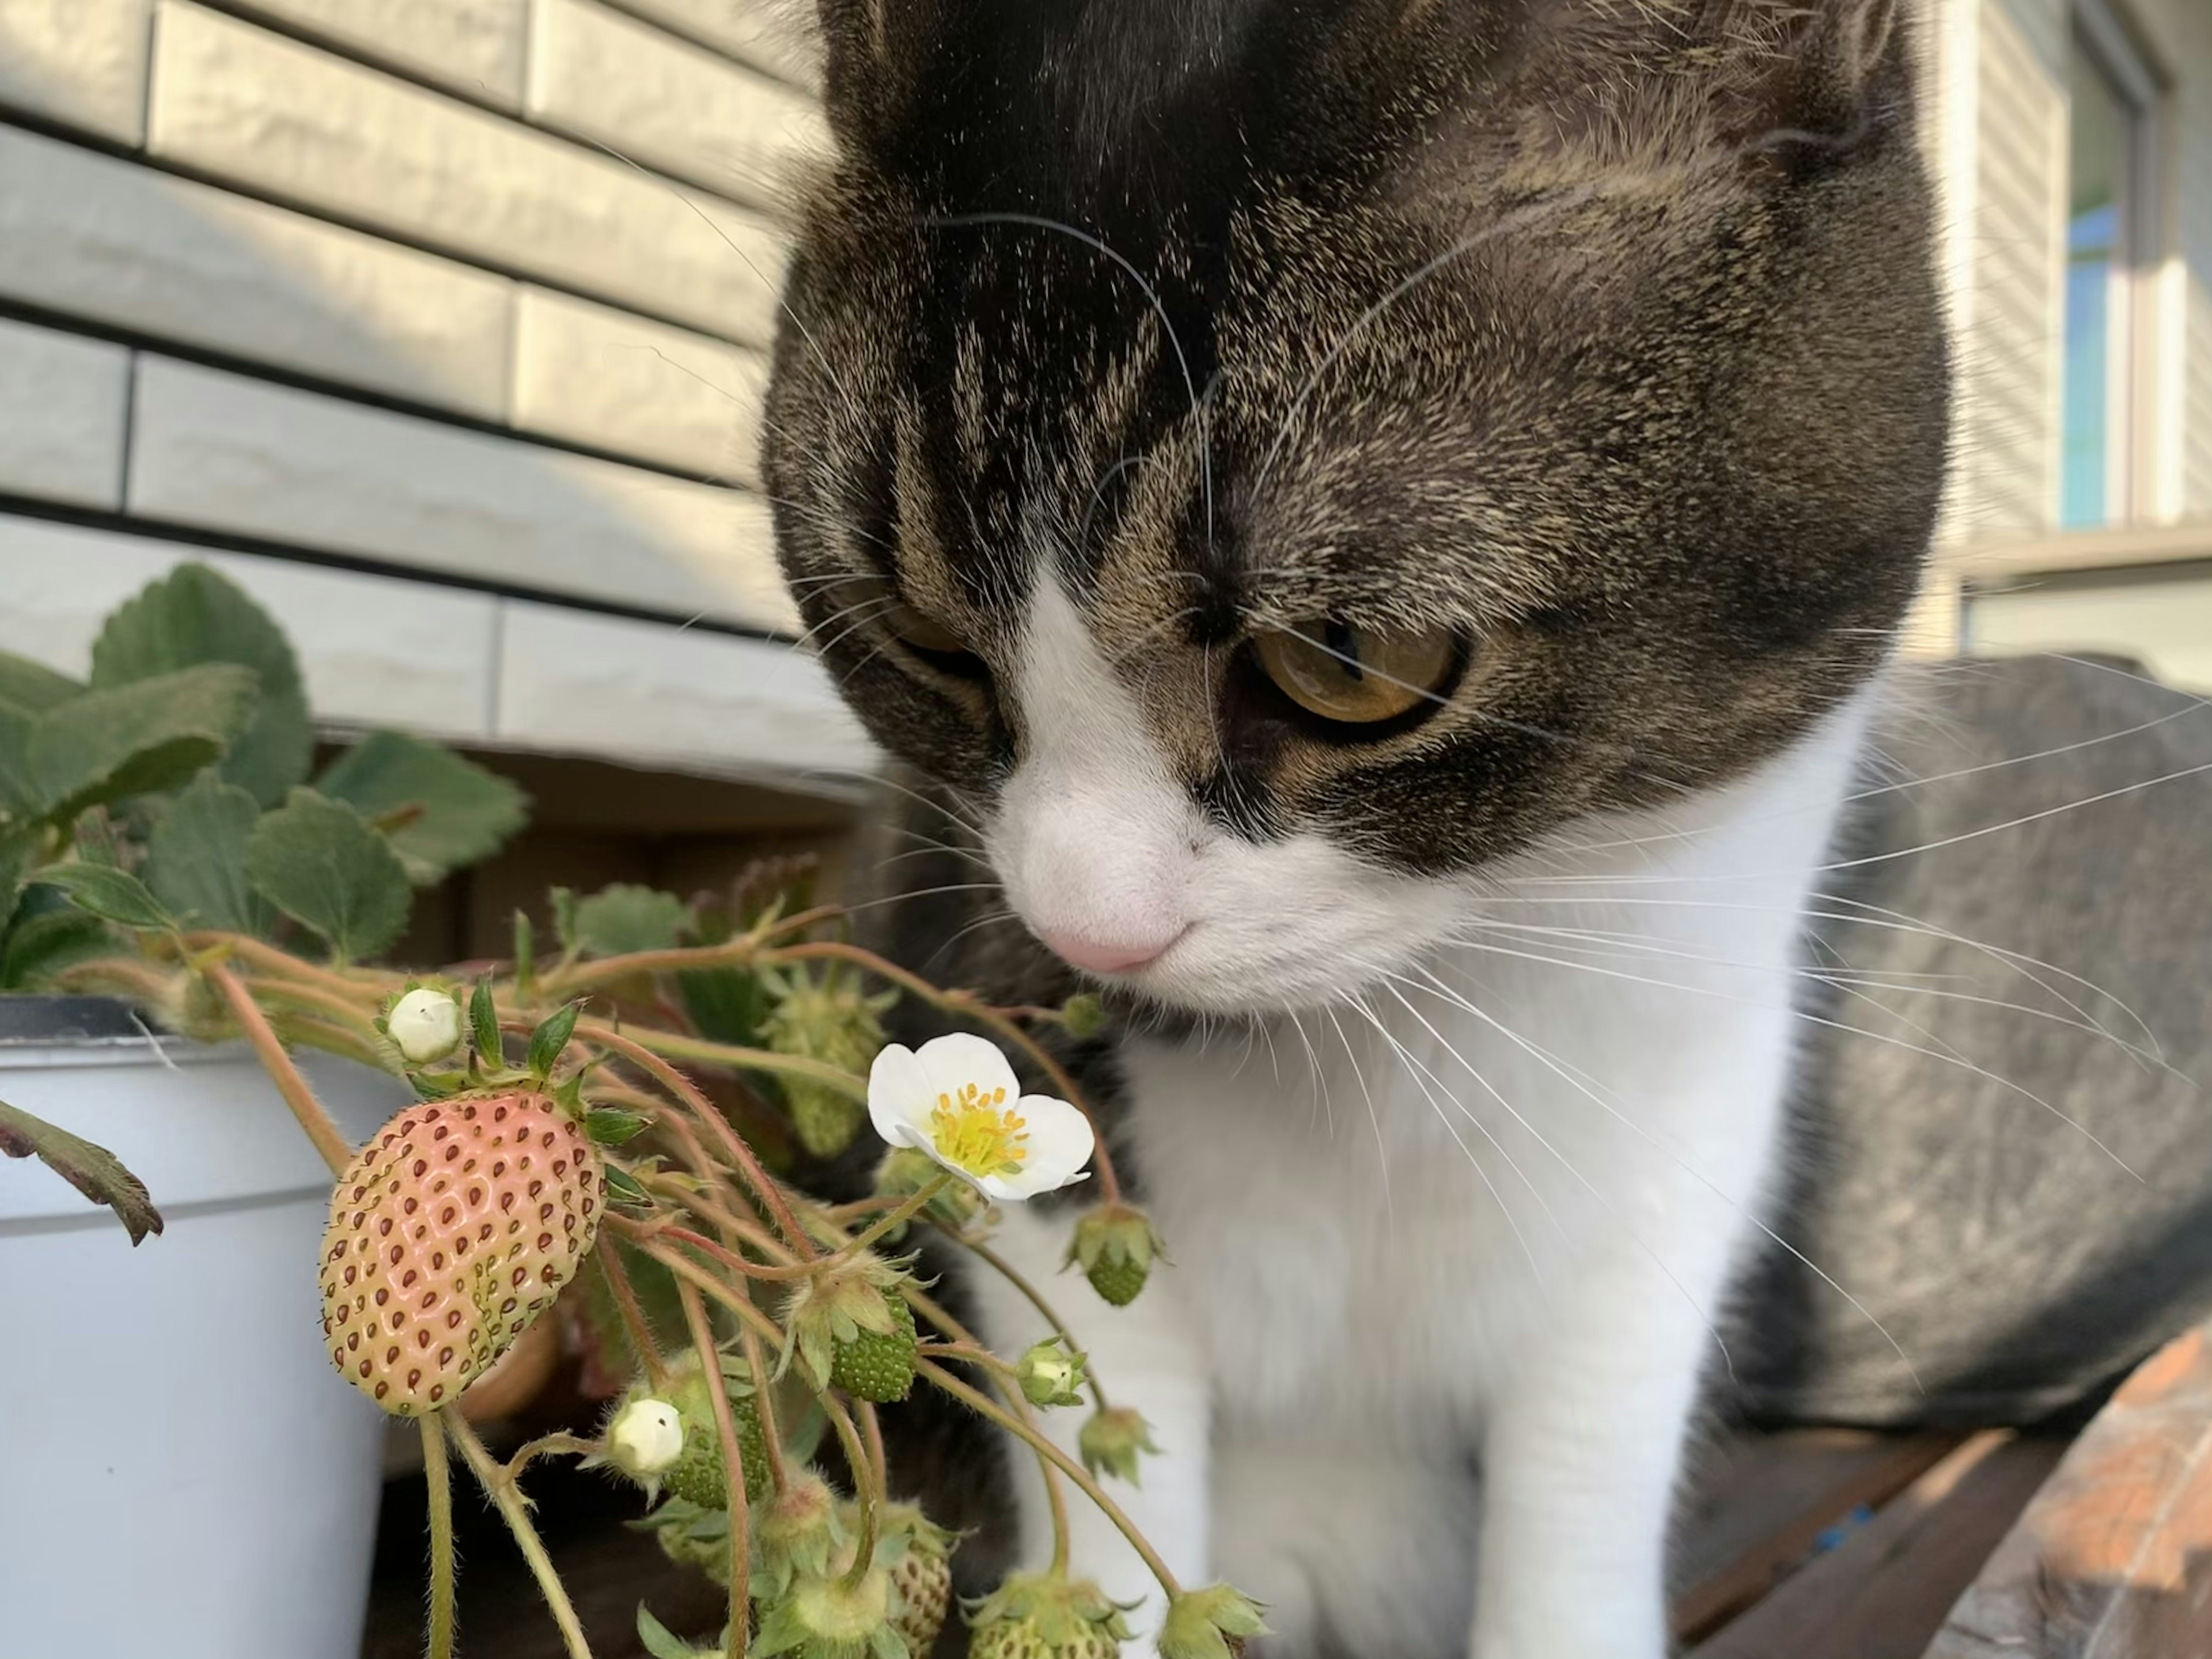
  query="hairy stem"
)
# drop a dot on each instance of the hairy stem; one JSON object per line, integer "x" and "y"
{"x": 633, "y": 1316}
{"x": 281, "y": 1071}
{"x": 507, "y": 1496}
{"x": 1036, "y": 1298}
{"x": 733, "y": 1469}
{"x": 1066, "y": 1465}
{"x": 764, "y": 1403}
{"x": 439, "y": 1480}
{"x": 897, "y": 1218}
{"x": 866, "y": 1487}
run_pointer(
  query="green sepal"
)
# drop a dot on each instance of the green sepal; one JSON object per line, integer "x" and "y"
{"x": 548, "y": 1042}
{"x": 610, "y": 1125}
{"x": 484, "y": 1020}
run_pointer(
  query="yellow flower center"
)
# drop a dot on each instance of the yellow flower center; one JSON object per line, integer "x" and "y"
{"x": 979, "y": 1132}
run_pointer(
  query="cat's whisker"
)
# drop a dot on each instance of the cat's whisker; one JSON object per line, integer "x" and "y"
{"x": 1984, "y": 1072}
{"x": 1421, "y": 1078}
{"x": 1560, "y": 1157}
{"x": 1359, "y": 1076}
{"x": 1593, "y": 1091}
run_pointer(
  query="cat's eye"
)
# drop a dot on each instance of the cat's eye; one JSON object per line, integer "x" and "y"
{"x": 923, "y": 631}
{"x": 1356, "y": 675}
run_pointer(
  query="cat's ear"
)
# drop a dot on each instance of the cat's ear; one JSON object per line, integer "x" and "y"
{"x": 871, "y": 50}
{"x": 1834, "y": 69}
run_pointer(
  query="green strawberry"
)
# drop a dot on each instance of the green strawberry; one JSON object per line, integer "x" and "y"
{"x": 1039, "y": 1616}
{"x": 834, "y": 1020}
{"x": 878, "y": 1366}
{"x": 1114, "y": 1246}
{"x": 1119, "y": 1282}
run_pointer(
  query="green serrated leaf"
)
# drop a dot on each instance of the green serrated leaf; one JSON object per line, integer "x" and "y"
{"x": 461, "y": 813}
{"x": 610, "y": 1125}
{"x": 111, "y": 894}
{"x": 39, "y": 943}
{"x": 194, "y": 616}
{"x": 195, "y": 858}
{"x": 318, "y": 862}
{"x": 622, "y": 919}
{"x": 484, "y": 1020}
{"x": 33, "y": 687}
{"x": 93, "y": 1171}
{"x": 725, "y": 1003}
{"x": 127, "y": 740}
{"x": 548, "y": 1041}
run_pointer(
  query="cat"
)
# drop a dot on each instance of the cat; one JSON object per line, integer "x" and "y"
{"x": 1351, "y": 510}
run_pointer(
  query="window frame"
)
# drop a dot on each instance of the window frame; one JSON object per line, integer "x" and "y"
{"x": 2098, "y": 31}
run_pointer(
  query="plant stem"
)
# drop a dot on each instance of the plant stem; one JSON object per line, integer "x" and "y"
{"x": 764, "y": 1404}
{"x": 632, "y": 1315}
{"x": 684, "y": 1267}
{"x": 864, "y": 1488}
{"x": 757, "y": 1237}
{"x": 733, "y": 1469}
{"x": 1005, "y": 1270}
{"x": 729, "y": 1056}
{"x": 281, "y": 1071}
{"x": 966, "y": 1006}
{"x": 434, "y": 1470}
{"x": 1003, "y": 1376}
{"x": 763, "y": 1185}
{"x": 508, "y": 1498}
{"x": 1067, "y": 1466}
{"x": 897, "y": 1218}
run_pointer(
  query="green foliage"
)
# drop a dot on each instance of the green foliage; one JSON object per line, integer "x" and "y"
{"x": 129, "y": 740}
{"x": 196, "y": 859}
{"x": 483, "y": 1026}
{"x": 157, "y": 775}
{"x": 622, "y": 918}
{"x": 445, "y": 812}
{"x": 318, "y": 861}
{"x": 93, "y": 1171}
{"x": 111, "y": 894}
{"x": 194, "y": 616}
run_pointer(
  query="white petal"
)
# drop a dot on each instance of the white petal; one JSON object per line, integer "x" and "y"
{"x": 1060, "y": 1143}
{"x": 900, "y": 1097}
{"x": 957, "y": 1059}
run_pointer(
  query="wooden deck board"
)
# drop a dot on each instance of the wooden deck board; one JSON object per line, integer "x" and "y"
{"x": 1885, "y": 1590}
{"x": 1759, "y": 1503}
{"x": 2113, "y": 1559}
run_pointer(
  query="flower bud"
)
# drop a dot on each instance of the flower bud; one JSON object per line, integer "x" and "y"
{"x": 646, "y": 1438}
{"x": 1112, "y": 1441}
{"x": 1214, "y": 1623}
{"x": 426, "y": 1024}
{"x": 1050, "y": 1374}
{"x": 1084, "y": 1015}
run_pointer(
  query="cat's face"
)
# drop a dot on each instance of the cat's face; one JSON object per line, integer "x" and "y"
{"x": 1278, "y": 461}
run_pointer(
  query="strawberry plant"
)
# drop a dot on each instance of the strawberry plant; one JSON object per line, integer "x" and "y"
{"x": 598, "y": 1123}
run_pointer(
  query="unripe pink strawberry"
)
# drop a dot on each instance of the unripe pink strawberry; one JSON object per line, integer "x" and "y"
{"x": 450, "y": 1232}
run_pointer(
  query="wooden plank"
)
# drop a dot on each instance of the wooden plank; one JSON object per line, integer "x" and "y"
{"x": 1760, "y": 1503}
{"x": 2113, "y": 1559}
{"x": 1884, "y": 1592}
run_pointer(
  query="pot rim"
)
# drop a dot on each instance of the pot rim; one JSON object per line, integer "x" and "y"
{"x": 41, "y": 1021}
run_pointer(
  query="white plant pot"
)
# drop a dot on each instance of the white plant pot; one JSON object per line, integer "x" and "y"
{"x": 182, "y": 1473}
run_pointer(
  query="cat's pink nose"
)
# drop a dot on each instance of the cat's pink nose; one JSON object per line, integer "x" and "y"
{"x": 1106, "y": 956}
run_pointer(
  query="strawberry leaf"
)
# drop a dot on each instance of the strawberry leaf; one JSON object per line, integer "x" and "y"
{"x": 443, "y": 812}
{"x": 93, "y": 1171}
{"x": 193, "y": 616}
{"x": 111, "y": 894}
{"x": 318, "y": 862}
{"x": 195, "y": 858}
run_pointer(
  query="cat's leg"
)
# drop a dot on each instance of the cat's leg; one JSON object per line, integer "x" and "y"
{"x": 1149, "y": 1356}
{"x": 1355, "y": 1550}
{"x": 1580, "y": 1454}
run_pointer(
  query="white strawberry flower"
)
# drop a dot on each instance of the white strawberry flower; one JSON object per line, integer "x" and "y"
{"x": 956, "y": 1099}
{"x": 426, "y": 1024}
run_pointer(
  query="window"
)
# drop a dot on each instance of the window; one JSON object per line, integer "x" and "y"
{"x": 2107, "y": 213}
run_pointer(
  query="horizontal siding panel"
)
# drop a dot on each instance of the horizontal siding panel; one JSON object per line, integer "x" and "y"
{"x": 589, "y": 376}
{"x": 64, "y": 401}
{"x": 654, "y": 99}
{"x": 654, "y": 695}
{"x": 228, "y": 453}
{"x": 777, "y": 35}
{"x": 376, "y": 650}
{"x": 251, "y": 106}
{"x": 477, "y": 46}
{"x": 98, "y": 238}
{"x": 81, "y": 62}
